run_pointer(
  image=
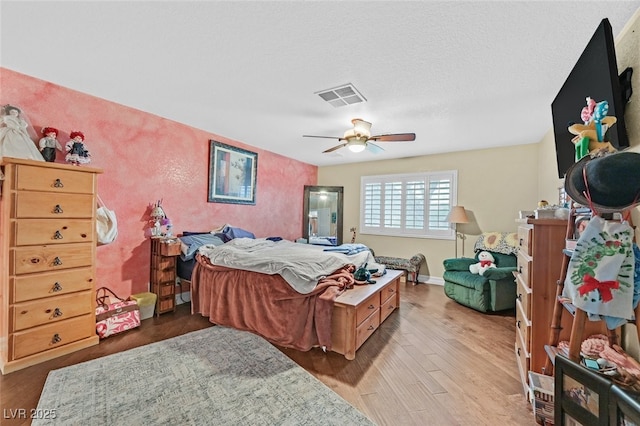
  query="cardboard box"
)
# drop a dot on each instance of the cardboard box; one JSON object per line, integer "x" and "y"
{"x": 147, "y": 304}
{"x": 541, "y": 394}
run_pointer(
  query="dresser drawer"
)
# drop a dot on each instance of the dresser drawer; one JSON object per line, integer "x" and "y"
{"x": 523, "y": 295}
{"x": 30, "y": 232}
{"x": 29, "y": 287}
{"x": 387, "y": 307}
{"x": 25, "y": 260}
{"x": 34, "y": 178}
{"x": 366, "y": 329}
{"x": 524, "y": 360}
{"x": 43, "y": 205}
{"x": 525, "y": 239}
{"x": 386, "y": 293}
{"x": 524, "y": 268}
{"x": 523, "y": 326}
{"x": 52, "y": 309}
{"x": 366, "y": 308}
{"x": 50, "y": 336}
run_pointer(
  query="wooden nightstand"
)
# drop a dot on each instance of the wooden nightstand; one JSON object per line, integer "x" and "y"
{"x": 163, "y": 272}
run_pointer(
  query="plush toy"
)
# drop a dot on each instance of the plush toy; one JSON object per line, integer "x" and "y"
{"x": 486, "y": 261}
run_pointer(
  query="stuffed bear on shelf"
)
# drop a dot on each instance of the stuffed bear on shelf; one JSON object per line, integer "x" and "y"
{"x": 486, "y": 261}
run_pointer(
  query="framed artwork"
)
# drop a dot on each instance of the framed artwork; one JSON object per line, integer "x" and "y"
{"x": 581, "y": 396}
{"x": 625, "y": 407}
{"x": 232, "y": 174}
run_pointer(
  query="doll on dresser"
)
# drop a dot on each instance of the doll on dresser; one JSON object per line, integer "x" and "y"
{"x": 76, "y": 151}
{"x": 49, "y": 143}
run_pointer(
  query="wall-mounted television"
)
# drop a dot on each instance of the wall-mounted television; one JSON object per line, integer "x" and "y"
{"x": 594, "y": 75}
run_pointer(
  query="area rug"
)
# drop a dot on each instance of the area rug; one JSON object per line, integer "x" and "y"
{"x": 215, "y": 376}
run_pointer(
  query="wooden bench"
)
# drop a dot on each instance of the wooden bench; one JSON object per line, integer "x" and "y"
{"x": 412, "y": 266}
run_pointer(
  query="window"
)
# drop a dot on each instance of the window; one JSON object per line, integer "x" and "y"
{"x": 409, "y": 205}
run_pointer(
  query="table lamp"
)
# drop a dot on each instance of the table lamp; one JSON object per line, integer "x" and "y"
{"x": 157, "y": 214}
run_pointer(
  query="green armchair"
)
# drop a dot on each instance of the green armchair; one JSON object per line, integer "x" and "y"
{"x": 495, "y": 290}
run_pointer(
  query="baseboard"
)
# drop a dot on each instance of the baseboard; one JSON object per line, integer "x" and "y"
{"x": 428, "y": 279}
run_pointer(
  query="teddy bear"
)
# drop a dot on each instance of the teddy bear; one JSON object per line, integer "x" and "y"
{"x": 486, "y": 261}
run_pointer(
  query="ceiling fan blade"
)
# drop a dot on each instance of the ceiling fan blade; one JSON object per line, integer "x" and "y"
{"x": 397, "y": 137}
{"x": 334, "y": 148}
{"x": 373, "y": 148}
{"x": 324, "y": 137}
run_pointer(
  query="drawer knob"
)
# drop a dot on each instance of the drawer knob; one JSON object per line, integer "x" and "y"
{"x": 520, "y": 241}
{"x": 58, "y": 184}
{"x": 371, "y": 328}
{"x": 57, "y": 261}
{"x": 56, "y": 287}
{"x": 56, "y": 339}
{"x": 57, "y": 209}
{"x": 519, "y": 297}
{"x": 57, "y": 313}
{"x": 518, "y": 351}
{"x": 57, "y": 236}
{"x": 371, "y": 307}
{"x": 520, "y": 269}
{"x": 35, "y": 260}
{"x": 518, "y": 323}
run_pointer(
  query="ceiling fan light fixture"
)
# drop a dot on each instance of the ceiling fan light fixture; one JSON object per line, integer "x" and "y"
{"x": 357, "y": 144}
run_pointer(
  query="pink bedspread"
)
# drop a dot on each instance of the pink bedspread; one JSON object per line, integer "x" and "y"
{"x": 266, "y": 305}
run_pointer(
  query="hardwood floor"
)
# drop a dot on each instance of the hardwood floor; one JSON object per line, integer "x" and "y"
{"x": 431, "y": 362}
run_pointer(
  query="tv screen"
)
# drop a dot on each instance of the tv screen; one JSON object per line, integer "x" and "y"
{"x": 594, "y": 75}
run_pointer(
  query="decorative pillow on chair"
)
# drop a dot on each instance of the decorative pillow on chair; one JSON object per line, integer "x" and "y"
{"x": 497, "y": 242}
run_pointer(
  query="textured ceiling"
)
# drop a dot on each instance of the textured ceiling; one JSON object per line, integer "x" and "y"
{"x": 461, "y": 75}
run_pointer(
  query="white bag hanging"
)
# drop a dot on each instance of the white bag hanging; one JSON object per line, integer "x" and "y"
{"x": 106, "y": 223}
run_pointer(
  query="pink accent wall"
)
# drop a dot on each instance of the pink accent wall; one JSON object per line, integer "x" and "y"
{"x": 146, "y": 158}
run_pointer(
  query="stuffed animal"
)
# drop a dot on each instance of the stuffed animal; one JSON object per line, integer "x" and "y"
{"x": 486, "y": 261}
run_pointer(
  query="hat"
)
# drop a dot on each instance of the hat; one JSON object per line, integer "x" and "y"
{"x": 612, "y": 181}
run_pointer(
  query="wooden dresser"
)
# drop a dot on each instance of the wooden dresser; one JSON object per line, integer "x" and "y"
{"x": 47, "y": 255}
{"x": 359, "y": 311}
{"x": 539, "y": 265}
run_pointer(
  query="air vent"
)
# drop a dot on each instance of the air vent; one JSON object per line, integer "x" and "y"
{"x": 342, "y": 95}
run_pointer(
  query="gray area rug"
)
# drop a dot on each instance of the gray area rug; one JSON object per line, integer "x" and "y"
{"x": 215, "y": 376}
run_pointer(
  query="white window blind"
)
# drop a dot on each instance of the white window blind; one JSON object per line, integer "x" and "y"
{"x": 413, "y": 204}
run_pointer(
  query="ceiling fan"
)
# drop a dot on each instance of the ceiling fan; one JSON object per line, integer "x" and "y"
{"x": 359, "y": 138}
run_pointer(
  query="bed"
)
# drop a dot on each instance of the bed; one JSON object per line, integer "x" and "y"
{"x": 280, "y": 290}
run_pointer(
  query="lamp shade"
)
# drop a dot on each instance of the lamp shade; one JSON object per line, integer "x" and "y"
{"x": 158, "y": 213}
{"x": 457, "y": 215}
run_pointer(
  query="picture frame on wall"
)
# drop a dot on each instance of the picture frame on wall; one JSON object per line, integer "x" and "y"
{"x": 581, "y": 396}
{"x": 232, "y": 174}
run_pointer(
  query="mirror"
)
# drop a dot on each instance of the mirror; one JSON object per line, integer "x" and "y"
{"x": 322, "y": 215}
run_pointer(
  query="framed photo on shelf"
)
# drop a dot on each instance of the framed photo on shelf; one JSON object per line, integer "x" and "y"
{"x": 232, "y": 174}
{"x": 625, "y": 407}
{"x": 581, "y": 396}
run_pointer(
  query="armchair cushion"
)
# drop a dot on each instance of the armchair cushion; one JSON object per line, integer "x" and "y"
{"x": 499, "y": 273}
{"x": 459, "y": 264}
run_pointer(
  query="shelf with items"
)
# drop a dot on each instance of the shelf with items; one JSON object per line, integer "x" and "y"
{"x": 579, "y": 324}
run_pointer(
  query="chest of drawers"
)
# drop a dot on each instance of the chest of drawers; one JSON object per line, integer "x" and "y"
{"x": 47, "y": 254}
{"x": 358, "y": 312}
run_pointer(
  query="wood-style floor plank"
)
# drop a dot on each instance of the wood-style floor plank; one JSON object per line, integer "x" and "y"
{"x": 432, "y": 361}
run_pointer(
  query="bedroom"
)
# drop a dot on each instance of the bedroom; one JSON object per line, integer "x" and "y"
{"x": 147, "y": 157}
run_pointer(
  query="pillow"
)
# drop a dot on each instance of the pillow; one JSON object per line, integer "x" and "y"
{"x": 230, "y": 232}
{"x": 191, "y": 244}
{"x": 195, "y": 233}
{"x": 497, "y": 242}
